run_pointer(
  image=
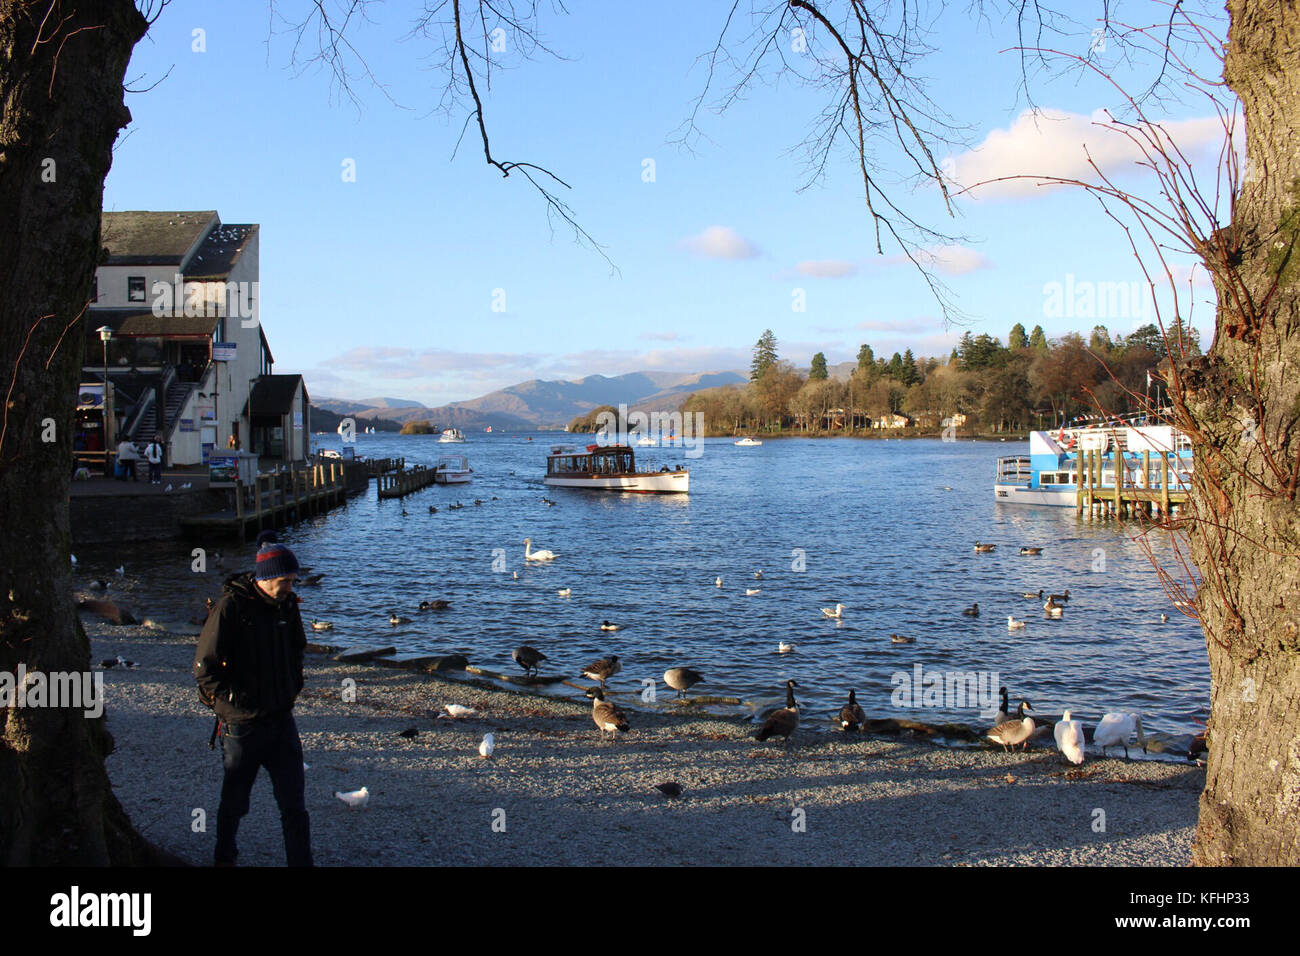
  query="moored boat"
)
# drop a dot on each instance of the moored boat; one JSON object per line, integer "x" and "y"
{"x": 452, "y": 434}
{"x": 747, "y": 442}
{"x": 611, "y": 468}
{"x": 452, "y": 470}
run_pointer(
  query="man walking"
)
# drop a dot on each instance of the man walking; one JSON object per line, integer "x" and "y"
{"x": 153, "y": 454}
{"x": 248, "y": 665}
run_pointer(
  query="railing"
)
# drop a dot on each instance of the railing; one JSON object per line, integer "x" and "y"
{"x": 1014, "y": 470}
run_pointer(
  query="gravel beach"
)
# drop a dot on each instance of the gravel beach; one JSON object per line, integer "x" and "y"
{"x": 555, "y": 793}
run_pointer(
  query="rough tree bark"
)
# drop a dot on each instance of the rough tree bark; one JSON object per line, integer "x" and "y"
{"x": 61, "y": 106}
{"x": 1243, "y": 398}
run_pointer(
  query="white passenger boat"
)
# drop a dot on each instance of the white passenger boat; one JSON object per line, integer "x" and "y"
{"x": 452, "y": 470}
{"x": 452, "y": 434}
{"x": 645, "y": 441}
{"x": 747, "y": 442}
{"x": 611, "y": 468}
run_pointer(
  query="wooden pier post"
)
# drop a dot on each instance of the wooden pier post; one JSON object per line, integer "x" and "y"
{"x": 1164, "y": 484}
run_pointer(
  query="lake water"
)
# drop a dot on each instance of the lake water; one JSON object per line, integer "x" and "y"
{"x": 885, "y": 528}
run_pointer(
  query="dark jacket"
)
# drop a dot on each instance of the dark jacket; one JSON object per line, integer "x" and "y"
{"x": 248, "y": 662}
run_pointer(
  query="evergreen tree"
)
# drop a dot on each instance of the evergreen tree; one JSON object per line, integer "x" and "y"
{"x": 818, "y": 373}
{"x": 1018, "y": 339}
{"x": 764, "y": 355}
{"x": 1037, "y": 340}
{"x": 910, "y": 374}
{"x": 895, "y": 368}
{"x": 866, "y": 358}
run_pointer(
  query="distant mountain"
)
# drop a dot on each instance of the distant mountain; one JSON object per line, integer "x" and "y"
{"x": 324, "y": 420}
{"x": 367, "y": 407}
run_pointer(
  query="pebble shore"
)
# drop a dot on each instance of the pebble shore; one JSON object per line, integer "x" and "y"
{"x": 555, "y": 793}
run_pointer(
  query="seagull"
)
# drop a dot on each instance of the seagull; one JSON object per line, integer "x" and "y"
{"x": 603, "y": 669}
{"x": 457, "y": 711}
{"x": 717, "y": 582}
{"x": 356, "y": 799}
{"x": 784, "y": 648}
{"x": 1014, "y": 625}
{"x": 1069, "y": 738}
{"x": 121, "y": 569}
{"x": 836, "y": 612}
{"x": 488, "y": 745}
{"x": 758, "y": 575}
{"x": 528, "y": 658}
{"x": 607, "y": 717}
{"x": 750, "y": 592}
{"x": 564, "y": 592}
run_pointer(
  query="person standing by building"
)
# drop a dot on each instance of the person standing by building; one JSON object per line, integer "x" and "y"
{"x": 127, "y": 456}
{"x": 248, "y": 664}
{"x": 153, "y": 453}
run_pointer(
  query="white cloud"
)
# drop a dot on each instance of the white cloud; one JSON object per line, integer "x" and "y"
{"x": 1057, "y": 143}
{"x": 950, "y": 260}
{"x": 827, "y": 268}
{"x": 661, "y": 336}
{"x": 721, "y": 242}
{"x": 923, "y": 324}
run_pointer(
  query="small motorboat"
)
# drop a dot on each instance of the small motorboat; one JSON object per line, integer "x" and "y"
{"x": 452, "y": 434}
{"x": 747, "y": 442}
{"x": 452, "y": 470}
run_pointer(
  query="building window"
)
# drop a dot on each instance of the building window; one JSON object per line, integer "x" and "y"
{"x": 135, "y": 289}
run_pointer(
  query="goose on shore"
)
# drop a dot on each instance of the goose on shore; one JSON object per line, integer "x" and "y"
{"x": 1069, "y": 738}
{"x": 528, "y": 658}
{"x": 1012, "y": 732}
{"x": 900, "y": 639}
{"x": 531, "y": 555}
{"x": 607, "y": 717}
{"x": 1014, "y": 625}
{"x": 972, "y": 611}
{"x": 1031, "y": 596}
{"x": 682, "y": 679}
{"x": 1004, "y": 711}
{"x": 984, "y": 548}
{"x": 1114, "y": 730}
{"x": 851, "y": 716}
{"x": 603, "y": 669}
{"x": 1031, "y": 550}
{"x": 783, "y": 721}
{"x": 836, "y": 612}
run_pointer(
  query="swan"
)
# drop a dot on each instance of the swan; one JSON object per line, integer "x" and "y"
{"x": 1114, "y": 730}
{"x": 784, "y": 647}
{"x": 531, "y": 555}
{"x": 837, "y": 612}
{"x": 1014, "y": 625}
{"x": 750, "y": 592}
{"x": 1069, "y": 738}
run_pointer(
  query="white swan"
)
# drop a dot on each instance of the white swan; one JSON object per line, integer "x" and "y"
{"x": 1069, "y": 738}
{"x": 1013, "y": 624}
{"x": 836, "y": 612}
{"x": 531, "y": 555}
{"x": 1114, "y": 730}
{"x": 750, "y": 592}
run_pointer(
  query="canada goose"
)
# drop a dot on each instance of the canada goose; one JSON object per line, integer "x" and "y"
{"x": 836, "y": 612}
{"x": 750, "y": 592}
{"x": 395, "y": 620}
{"x": 409, "y": 732}
{"x": 1031, "y": 596}
{"x": 785, "y": 720}
{"x": 564, "y": 592}
{"x": 1069, "y": 738}
{"x": 972, "y": 611}
{"x": 1012, "y": 732}
{"x": 609, "y": 626}
{"x": 900, "y": 639}
{"x": 682, "y": 679}
{"x": 851, "y": 716}
{"x": 321, "y": 625}
{"x": 531, "y": 555}
{"x": 1114, "y": 730}
{"x": 717, "y": 583}
{"x": 1014, "y": 625}
{"x": 984, "y": 548}
{"x": 670, "y": 788}
{"x": 1004, "y": 712}
{"x": 1052, "y": 609}
{"x": 1031, "y": 550}
{"x": 606, "y": 716}
{"x": 1062, "y": 598}
{"x": 528, "y": 658}
{"x": 436, "y": 605}
{"x": 785, "y": 647}
{"x": 603, "y": 669}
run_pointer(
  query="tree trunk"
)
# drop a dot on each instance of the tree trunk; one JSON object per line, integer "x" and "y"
{"x": 61, "y": 72}
{"x": 1245, "y": 527}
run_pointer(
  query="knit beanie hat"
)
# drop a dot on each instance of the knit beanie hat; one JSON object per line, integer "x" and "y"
{"x": 265, "y": 536}
{"x": 274, "y": 560}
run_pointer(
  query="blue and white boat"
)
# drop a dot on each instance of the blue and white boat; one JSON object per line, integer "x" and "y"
{"x": 1047, "y": 475}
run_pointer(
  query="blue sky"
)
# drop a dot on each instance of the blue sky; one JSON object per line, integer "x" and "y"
{"x": 386, "y": 285}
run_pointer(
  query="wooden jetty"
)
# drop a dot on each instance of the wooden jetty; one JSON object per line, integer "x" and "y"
{"x": 382, "y": 466}
{"x": 1131, "y": 493}
{"x": 275, "y": 499}
{"x": 397, "y": 484}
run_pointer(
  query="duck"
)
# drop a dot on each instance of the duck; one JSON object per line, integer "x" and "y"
{"x": 851, "y": 716}
{"x": 528, "y": 658}
{"x": 395, "y": 620}
{"x": 311, "y": 580}
{"x": 972, "y": 611}
{"x": 900, "y": 639}
{"x": 758, "y": 575}
{"x": 1012, "y": 732}
{"x": 785, "y": 647}
{"x": 1031, "y": 550}
{"x": 433, "y": 510}
{"x": 984, "y": 548}
{"x": 609, "y": 626}
{"x": 1114, "y": 730}
{"x": 603, "y": 669}
{"x": 1031, "y": 596}
{"x": 1052, "y": 609}
{"x": 682, "y": 679}
{"x": 836, "y": 612}
{"x": 1014, "y": 625}
{"x": 564, "y": 592}
{"x": 1069, "y": 738}
{"x": 783, "y": 721}
{"x": 435, "y": 605}
{"x": 607, "y": 717}
{"x": 750, "y": 592}
{"x": 1164, "y": 618}
{"x": 531, "y": 555}
{"x": 717, "y": 582}
{"x": 321, "y": 626}
{"x": 1062, "y": 598}
{"x": 478, "y": 501}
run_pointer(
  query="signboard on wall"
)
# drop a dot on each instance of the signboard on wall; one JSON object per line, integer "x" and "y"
{"x": 223, "y": 351}
{"x": 90, "y": 395}
{"x": 187, "y": 425}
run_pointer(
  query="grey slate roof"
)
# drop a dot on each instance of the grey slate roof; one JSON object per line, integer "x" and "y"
{"x": 140, "y": 237}
{"x": 217, "y": 255}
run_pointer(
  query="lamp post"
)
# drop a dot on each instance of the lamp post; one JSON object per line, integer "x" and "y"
{"x": 106, "y": 333}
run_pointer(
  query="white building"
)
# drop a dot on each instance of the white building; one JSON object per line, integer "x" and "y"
{"x": 180, "y": 293}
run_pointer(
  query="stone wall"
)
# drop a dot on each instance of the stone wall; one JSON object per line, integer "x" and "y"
{"x": 114, "y": 518}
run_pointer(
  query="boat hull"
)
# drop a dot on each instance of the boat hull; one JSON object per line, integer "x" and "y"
{"x": 1063, "y": 496}
{"x": 651, "y": 483}
{"x": 452, "y": 478}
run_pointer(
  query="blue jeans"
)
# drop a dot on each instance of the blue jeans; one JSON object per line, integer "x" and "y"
{"x": 270, "y": 742}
